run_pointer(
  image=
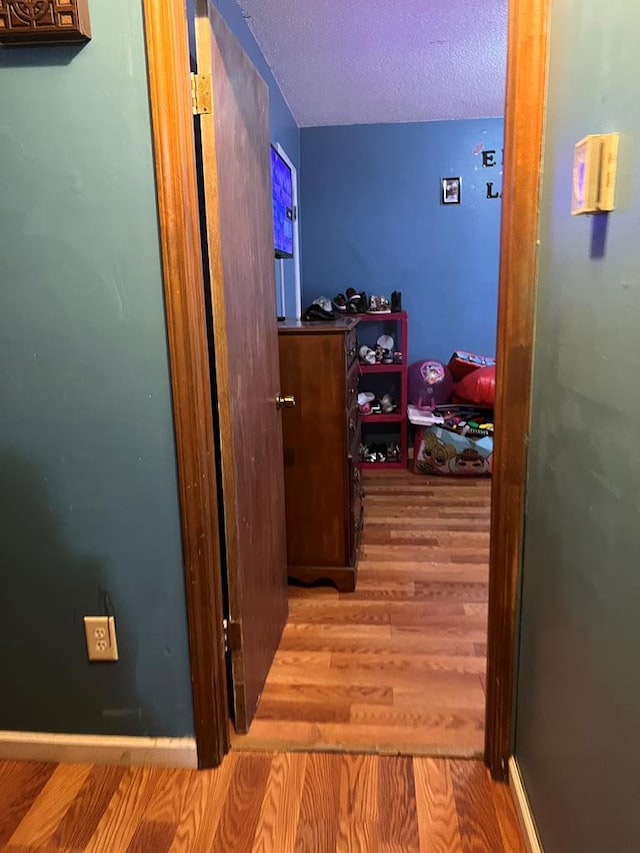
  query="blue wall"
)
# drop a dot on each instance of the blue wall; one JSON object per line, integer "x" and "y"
{"x": 578, "y": 696}
{"x": 88, "y": 494}
{"x": 373, "y": 221}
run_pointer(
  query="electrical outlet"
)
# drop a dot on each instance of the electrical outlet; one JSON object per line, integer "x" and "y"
{"x": 100, "y": 632}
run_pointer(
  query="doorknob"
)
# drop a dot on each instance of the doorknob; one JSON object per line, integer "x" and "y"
{"x": 285, "y": 401}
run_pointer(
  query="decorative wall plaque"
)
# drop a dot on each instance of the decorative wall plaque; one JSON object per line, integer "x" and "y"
{"x": 44, "y": 21}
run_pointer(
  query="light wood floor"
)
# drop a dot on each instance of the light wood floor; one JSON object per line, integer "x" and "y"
{"x": 315, "y": 803}
{"x": 398, "y": 665}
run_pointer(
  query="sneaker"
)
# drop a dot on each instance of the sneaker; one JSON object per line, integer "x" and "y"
{"x": 340, "y": 303}
{"x": 388, "y": 404}
{"x": 379, "y": 305}
{"x": 367, "y": 355}
{"x": 356, "y": 302}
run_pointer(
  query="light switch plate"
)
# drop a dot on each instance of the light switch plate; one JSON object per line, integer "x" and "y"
{"x": 595, "y": 164}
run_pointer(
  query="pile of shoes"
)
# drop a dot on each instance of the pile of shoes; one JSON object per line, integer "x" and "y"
{"x": 381, "y": 452}
{"x": 351, "y": 302}
{"x": 384, "y": 352}
{"x": 369, "y": 404}
{"x": 320, "y": 309}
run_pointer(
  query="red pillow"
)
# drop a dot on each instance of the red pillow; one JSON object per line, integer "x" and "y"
{"x": 478, "y": 388}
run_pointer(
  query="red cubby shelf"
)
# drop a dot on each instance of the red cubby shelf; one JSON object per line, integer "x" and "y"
{"x": 391, "y": 418}
{"x": 380, "y": 368}
{"x": 399, "y": 417}
{"x": 381, "y": 466}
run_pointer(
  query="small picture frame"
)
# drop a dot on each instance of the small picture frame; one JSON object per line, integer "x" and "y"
{"x": 451, "y": 190}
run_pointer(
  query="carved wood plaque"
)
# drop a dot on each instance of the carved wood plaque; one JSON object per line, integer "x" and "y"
{"x": 44, "y": 21}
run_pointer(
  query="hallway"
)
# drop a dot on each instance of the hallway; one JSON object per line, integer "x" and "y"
{"x": 398, "y": 665}
{"x": 316, "y": 803}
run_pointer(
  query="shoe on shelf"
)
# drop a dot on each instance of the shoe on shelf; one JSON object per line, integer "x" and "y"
{"x": 367, "y": 355}
{"x": 396, "y": 301}
{"x": 365, "y": 398}
{"x": 388, "y": 404}
{"x": 340, "y": 303}
{"x": 356, "y": 302}
{"x": 379, "y": 305}
{"x": 393, "y": 453}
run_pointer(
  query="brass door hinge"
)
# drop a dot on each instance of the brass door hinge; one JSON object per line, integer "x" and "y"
{"x": 201, "y": 94}
{"x": 232, "y": 635}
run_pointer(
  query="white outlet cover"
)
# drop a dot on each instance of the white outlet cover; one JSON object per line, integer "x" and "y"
{"x": 100, "y": 634}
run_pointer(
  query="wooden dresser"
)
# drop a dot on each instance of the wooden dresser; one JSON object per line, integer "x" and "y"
{"x": 323, "y": 495}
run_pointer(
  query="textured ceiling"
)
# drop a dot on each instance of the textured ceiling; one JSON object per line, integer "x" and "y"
{"x": 369, "y": 61}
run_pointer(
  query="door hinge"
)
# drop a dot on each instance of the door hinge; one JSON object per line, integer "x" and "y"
{"x": 201, "y": 94}
{"x": 232, "y": 635}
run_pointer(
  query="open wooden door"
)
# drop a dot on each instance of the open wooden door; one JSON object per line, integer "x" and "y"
{"x": 234, "y": 116}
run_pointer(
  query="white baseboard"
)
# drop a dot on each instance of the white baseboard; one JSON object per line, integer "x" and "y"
{"x": 98, "y": 749}
{"x": 525, "y": 815}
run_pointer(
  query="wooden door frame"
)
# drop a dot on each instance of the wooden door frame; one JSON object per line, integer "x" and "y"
{"x": 524, "y": 125}
{"x": 166, "y": 28}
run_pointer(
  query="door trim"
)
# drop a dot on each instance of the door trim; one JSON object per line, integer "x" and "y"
{"x": 166, "y": 34}
{"x": 524, "y": 126}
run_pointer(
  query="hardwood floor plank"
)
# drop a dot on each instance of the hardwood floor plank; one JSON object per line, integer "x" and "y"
{"x": 205, "y": 799}
{"x": 320, "y": 804}
{"x": 426, "y": 553}
{"x": 397, "y": 802}
{"x": 241, "y": 811}
{"x": 414, "y": 664}
{"x": 82, "y": 818}
{"x": 507, "y": 818}
{"x": 433, "y": 644}
{"x": 436, "y": 806}
{"x": 20, "y": 784}
{"x": 41, "y": 821}
{"x": 168, "y": 800}
{"x": 338, "y": 630}
{"x": 119, "y": 822}
{"x": 152, "y": 836}
{"x": 400, "y": 570}
{"x": 273, "y": 735}
{"x": 280, "y": 813}
{"x": 319, "y": 612}
{"x": 479, "y": 829}
{"x": 446, "y": 591}
{"x": 358, "y": 817}
{"x": 468, "y": 629}
{"x": 313, "y": 692}
{"x": 436, "y": 719}
{"x": 466, "y": 693}
{"x": 321, "y": 712}
{"x": 375, "y": 574}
